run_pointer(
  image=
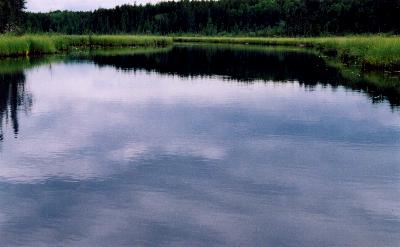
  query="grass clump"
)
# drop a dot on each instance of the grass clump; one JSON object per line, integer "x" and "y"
{"x": 10, "y": 46}
{"x": 123, "y": 41}
{"x": 49, "y": 44}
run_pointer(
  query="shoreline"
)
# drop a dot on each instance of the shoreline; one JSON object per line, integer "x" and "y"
{"x": 370, "y": 53}
{"x": 28, "y": 45}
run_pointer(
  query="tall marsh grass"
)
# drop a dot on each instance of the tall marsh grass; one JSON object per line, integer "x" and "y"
{"x": 370, "y": 52}
{"x": 48, "y": 44}
{"x": 377, "y": 52}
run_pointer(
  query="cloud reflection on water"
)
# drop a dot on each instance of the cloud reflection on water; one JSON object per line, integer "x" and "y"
{"x": 137, "y": 158}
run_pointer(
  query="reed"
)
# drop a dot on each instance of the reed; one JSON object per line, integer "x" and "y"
{"x": 370, "y": 52}
{"x": 50, "y": 44}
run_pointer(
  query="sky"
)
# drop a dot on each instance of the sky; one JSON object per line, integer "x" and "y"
{"x": 49, "y": 5}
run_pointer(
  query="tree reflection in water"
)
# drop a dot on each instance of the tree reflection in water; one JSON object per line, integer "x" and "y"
{"x": 237, "y": 63}
{"x": 248, "y": 64}
{"x": 14, "y": 98}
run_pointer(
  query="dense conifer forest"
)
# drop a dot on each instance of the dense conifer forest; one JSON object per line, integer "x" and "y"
{"x": 257, "y": 17}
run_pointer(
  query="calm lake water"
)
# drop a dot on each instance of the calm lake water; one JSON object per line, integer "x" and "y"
{"x": 196, "y": 146}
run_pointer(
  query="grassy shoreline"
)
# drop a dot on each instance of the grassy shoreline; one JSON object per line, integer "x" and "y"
{"x": 50, "y": 44}
{"x": 369, "y": 52}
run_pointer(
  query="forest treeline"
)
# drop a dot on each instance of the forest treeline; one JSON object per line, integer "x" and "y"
{"x": 258, "y": 17}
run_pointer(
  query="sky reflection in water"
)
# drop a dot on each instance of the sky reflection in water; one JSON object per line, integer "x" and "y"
{"x": 107, "y": 157}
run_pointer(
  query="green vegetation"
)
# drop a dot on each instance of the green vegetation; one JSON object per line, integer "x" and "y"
{"x": 298, "y": 19}
{"x": 234, "y": 17}
{"x": 369, "y": 79}
{"x": 49, "y": 44}
{"x": 370, "y": 52}
{"x": 223, "y": 17}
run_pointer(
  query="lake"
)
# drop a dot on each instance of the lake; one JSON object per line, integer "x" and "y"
{"x": 196, "y": 145}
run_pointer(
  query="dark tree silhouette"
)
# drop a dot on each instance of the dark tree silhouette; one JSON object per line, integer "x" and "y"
{"x": 256, "y": 17}
{"x": 13, "y": 98}
{"x": 11, "y": 14}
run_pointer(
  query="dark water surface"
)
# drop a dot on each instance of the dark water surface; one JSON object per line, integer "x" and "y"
{"x": 196, "y": 146}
